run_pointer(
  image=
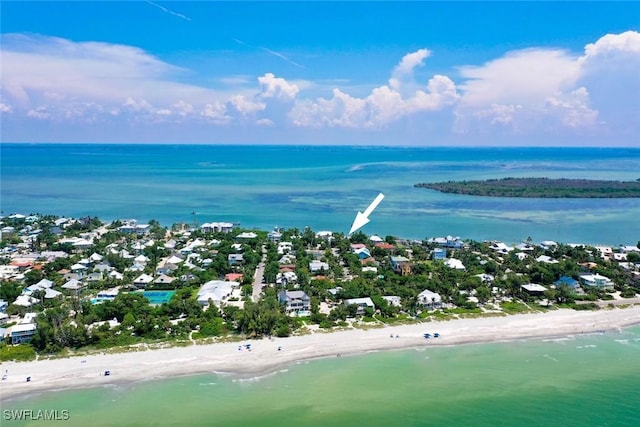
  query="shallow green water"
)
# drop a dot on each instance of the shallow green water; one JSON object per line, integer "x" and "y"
{"x": 582, "y": 381}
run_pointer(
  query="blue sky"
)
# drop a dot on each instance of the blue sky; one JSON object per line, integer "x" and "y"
{"x": 391, "y": 73}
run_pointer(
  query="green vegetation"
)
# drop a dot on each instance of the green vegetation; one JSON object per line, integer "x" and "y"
{"x": 20, "y": 352}
{"x": 539, "y": 188}
{"x": 490, "y": 285}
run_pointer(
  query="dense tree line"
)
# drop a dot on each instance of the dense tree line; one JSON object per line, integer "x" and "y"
{"x": 540, "y": 188}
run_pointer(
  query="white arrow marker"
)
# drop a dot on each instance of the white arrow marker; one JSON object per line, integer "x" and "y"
{"x": 363, "y": 218}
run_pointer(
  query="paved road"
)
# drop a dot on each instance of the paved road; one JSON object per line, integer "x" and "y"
{"x": 257, "y": 277}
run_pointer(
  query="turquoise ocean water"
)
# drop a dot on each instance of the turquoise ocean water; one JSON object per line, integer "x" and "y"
{"x": 589, "y": 380}
{"x": 320, "y": 187}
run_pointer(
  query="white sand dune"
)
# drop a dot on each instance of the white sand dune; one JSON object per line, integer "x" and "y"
{"x": 264, "y": 357}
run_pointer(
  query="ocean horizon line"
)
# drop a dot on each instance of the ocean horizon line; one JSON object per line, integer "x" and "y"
{"x": 319, "y": 145}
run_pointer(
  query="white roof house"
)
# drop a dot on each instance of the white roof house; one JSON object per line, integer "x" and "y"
{"x": 217, "y": 291}
{"x": 247, "y": 235}
{"x": 316, "y": 265}
{"x": 393, "y": 300}
{"x": 163, "y": 278}
{"x": 596, "y": 280}
{"x": 51, "y": 293}
{"x": 96, "y": 257}
{"x": 454, "y": 263}
{"x": 25, "y": 300}
{"x": 174, "y": 260}
{"x": 141, "y": 259}
{"x": 73, "y": 285}
{"x": 534, "y": 287}
{"x": 546, "y": 259}
{"x": 429, "y": 298}
{"x": 361, "y": 303}
{"x": 143, "y": 279}
{"x": 214, "y": 227}
{"x": 500, "y": 247}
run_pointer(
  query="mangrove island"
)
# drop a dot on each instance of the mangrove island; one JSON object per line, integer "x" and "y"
{"x": 540, "y": 188}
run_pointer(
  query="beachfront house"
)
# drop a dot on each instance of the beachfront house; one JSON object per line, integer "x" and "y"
{"x": 393, "y": 300}
{"x": 361, "y": 303}
{"x": 429, "y": 299}
{"x": 216, "y": 227}
{"x": 297, "y": 303}
{"x": 534, "y": 289}
{"x": 597, "y": 281}
{"x": 447, "y": 242}
{"x": 22, "y": 332}
{"x": 131, "y": 227}
{"x": 275, "y": 235}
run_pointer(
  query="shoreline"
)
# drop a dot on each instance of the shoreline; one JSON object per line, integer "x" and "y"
{"x": 265, "y": 357}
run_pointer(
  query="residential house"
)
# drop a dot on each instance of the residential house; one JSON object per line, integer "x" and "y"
{"x": 393, "y": 300}
{"x": 572, "y": 283}
{"x": 500, "y": 247}
{"x": 94, "y": 277}
{"x": 284, "y": 247}
{"x": 447, "y": 242}
{"x": 216, "y": 227}
{"x": 534, "y": 289}
{"x": 317, "y": 266}
{"x": 325, "y": 235}
{"x": 363, "y": 253}
{"x": 400, "y": 264}
{"x": 384, "y": 245}
{"x": 132, "y": 227}
{"x": 22, "y": 332}
{"x": 247, "y": 235}
{"x": 285, "y": 278}
{"x": 74, "y": 285}
{"x": 233, "y": 277}
{"x": 548, "y": 245}
{"x": 275, "y": 235}
{"x": 361, "y": 303}
{"x": 546, "y": 259}
{"x": 163, "y": 279}
{"x": 454, "y": 263}
{"x": 438, "y": 254}
{"x": 142, "y": 281}
{"x": 235, "y": 259}
{"x": 429, "y": 299}
{"x": 216, "y": 291}
{"x": 106, "y": 295}
{"x": 297, "y": 303}
{"x": 596, "y": 281}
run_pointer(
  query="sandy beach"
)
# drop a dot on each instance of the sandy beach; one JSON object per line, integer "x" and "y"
{"x": 268, "y": 355}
